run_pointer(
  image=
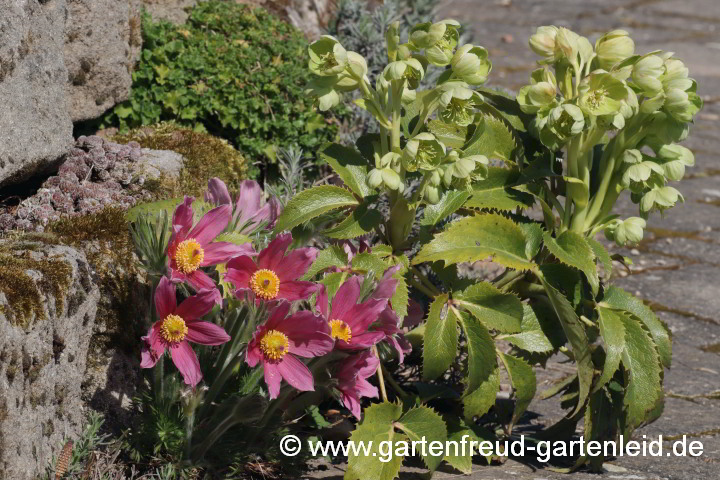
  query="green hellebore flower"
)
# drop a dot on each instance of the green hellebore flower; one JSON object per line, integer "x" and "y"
{"x": 385, "y": 176}
{"x": 646, "y": 74}
{"x": 439, "y": 51}
{"x": 542, "y": 42}
{"x": 357, "y": 65}
{"x": 653, "y": 104}
{"x": 411, "y": 70}
{"x": 573, "y": 47}
{"x": 601, "y": 94}
{"x": 327, "y": 56}
{"x": 425, "y": 35}
{"x": 632, "y": 156}
{"x": 432, "y": 194}
{"x": 674, "y": 159}
{"x": 613, "y": 47}
{"x": 628, "y": 231}
{"x": 660, "y": 198}
{"x": 423, "y": 152}
{"x": 566, "y": 121}
{"x": 639, "y": 176}
{"x": 390, "y": 159}
{"x": 323, "y": 89}
{"x": 471, "y": 64}
{"x": 676, "y": 75}
{"x": 681, "y": 105}
{"x": 457, "y": 103}
{"x": 534, "y": 97}
{"x": 463, "y": 168}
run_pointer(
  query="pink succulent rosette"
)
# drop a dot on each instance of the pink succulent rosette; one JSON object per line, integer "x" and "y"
{"x": 275, "y": 274}
{"x": 178, "y": 325}
{"x": 352, "y": 375}
{"x": 251, "y": 212}
{"x": 192, "y": 247}
{"x": 350, "y": 321}
{"x": 278, "y": 343}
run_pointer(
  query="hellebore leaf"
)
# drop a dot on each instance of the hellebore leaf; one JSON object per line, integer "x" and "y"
{"x": 423, "y": 423}
{"x": 497, "y": 191}
{"x": 532, "y": 338}
{"x": 350, "y": 166}
{"x": 450, "y": 202}
{"x": 361, "y": 221}
{"x": 493, "y": 139}
{"x": 376, "y": 427}
{"x": 312, "y": 203}
{"x": 612, "y": 329}
{"x": 332, "y": 256}
{"x": 602, "y": 256}
{"x": 497, "y": 310}
{"x": 522, "y": 377}
{"x": 440, "y": 340}
{"x": 572, "y": 249}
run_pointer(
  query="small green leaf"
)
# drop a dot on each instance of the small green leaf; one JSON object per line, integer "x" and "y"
{"x": 350, "y": 166}
{"x": 497, "y": 191}
{"x": 643, "y": 373}
{"x": 577, "y": 337}
{"x": 493, "y": 139}
{"x": 332, "y": 282}
{"x": 361, "y": 221}
{"x": 368, "y": 262}
{"x": 332, "y": 256}
{"x": 376, "y": 427}
{"x": 619, "y": 298}
{"x": 573, "y": 249}
{"x": 312, "y": 203}
{"x": 422, "y": 423}
{"x": 612, "y": 329}
{"x": 531, "y": 338}
{"x": 450, "y": 202}
{"x": 497, "y": 310}
{"x": 523, "y": 381}
{"x": 440, "y": 340}
{"x": 602, "y": 256}
{"x": 401, "y": 297}
{"x": 482, "y": 399}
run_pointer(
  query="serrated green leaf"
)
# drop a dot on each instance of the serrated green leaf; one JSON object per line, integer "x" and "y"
{"x": 643, "y": 372}
{"x": 332, "y": 256}
{"x": 497, "y": 191}
{"x": 573, "y": 249}
{"x": 350, "y": 166}
{"x": 449, "y": 134}
{"x": 577, "y": 337}
{"x": 619, "y": 298}
{"x": 376, "y": 427}
{"x": 493, "y": 139}
{"x": 476, "y": 238}
{"x": 497, "y": 310}
{"x": 602, "y": 256}
{"x": 332, "y": 282}
{"x": 522, "y": 377}
{"x": 234, "y": 238}
{"x": 531, "y": 337}
{"x": 612, "y": 329}
{"x": 450, "y": 202}
{"x": 368, "y": 262}
{"x": 401, "y": 297}
{"x": 482, "y": 399}
{"x": 312, "y": 203}
{"x": 422, "y": 423}
{"x": 361, "y": 221}
{"x": 533, "y": 238}
{"x": 440, "y": 340}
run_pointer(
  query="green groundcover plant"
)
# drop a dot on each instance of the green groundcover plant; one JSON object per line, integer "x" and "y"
{"x": 456, "y": 173}
{"x": 233, "y": 71}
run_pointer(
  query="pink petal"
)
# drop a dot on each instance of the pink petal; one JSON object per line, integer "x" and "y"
{"x": 361, "y": 341}
{"x": 206, "y": 333}
{"x": 183, "y": 216}
{"x": 273, "y": 378}
{"x": 309, "y": 334}
{"x": 148, "y": 358}
{"x": 217, "y": 192}
{"x": 176, "y": 276}
{"x": 292, "y": 291}
{"x": 415, "y": 315}
{"x": 221, "y": 252}
{"x": 186, "y": 361}
{"x": 196, "y": 306}
{"x": 248, "y": 202}
{"x": 321, "y": 301}
{"x": 362, "y": 315}
{"x": 296, "y": 263}
{"x": 253, "y": 355}
{"x": 365, "y": 388}
{"x": 239, "y": 271}
{"x": 367, "y": 365}
{"x": 386, "y": 286}
{"x": 165, "y": 301}
{"x": 211, "y": 225}
{"x": 296, "y": 373}
{"x": 275, "y": 211}
{"x": 346, "y": 297}
{"x": 277, "y": 316}
{"x": 271, "y": 257}
{"x": 200, "y": 280}
{"x": 352, "y": 403}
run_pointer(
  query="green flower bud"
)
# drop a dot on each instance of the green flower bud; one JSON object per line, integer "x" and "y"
{"x": 639, "y": 176}
{"x": 632, "y": 156}
{"x": 435, "y": 177}
{"x": 425, "y": 35}
{"x": 611, "y": 122}
{"x": 674, "y": 158}
{"x": 613, "y": 47}
{"x": 601, "y": 94}
{"x": 676, "y": 75}
{"x": 411, "y": 70}
{"x": 471, "y": 64}
{"x": 543, "y": 43}
{"x": 432, "y": 194}
{"x": 646, "y": 74}
{"x": 628, "y": 231}
{"x": 323, "y": 89}
{"x": 573, "y": 47}
{"x": 374, "y": 178}
{"x": 660, "y": 198}
{"x": 358, "y": 65}
{"x": 678, "y": 105}
{"x": 441, "y": 52}
{"x": 423, "y": 152}
{"x": 327, "y": 56}
{"x": 457, "y": 103}
{"x": 387, "y": 160}
{"x": 566, "y": 120}
{"x": 532, "y": 98}
{"x": 392, "y": 179}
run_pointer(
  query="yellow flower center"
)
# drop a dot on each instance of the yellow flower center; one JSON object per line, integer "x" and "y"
{"x": 173, "y": 328}
{"x": 274, "y": 345}
{"x": 340, "y": 330}
{"x": 189, "y": 255}
{"x": 265, "y": 284}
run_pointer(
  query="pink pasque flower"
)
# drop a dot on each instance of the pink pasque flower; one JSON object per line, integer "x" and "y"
{"x": 274, "y": 275}
{"x": 352, "y": 376}
{"x": 349, "y": 321}
{"x": 179, "y": 324}
{"x": 251, "y": 212}
{"x": 282, "y": 339}
{"x": 192, "y": 247}
{"x": 388, "y": 321}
